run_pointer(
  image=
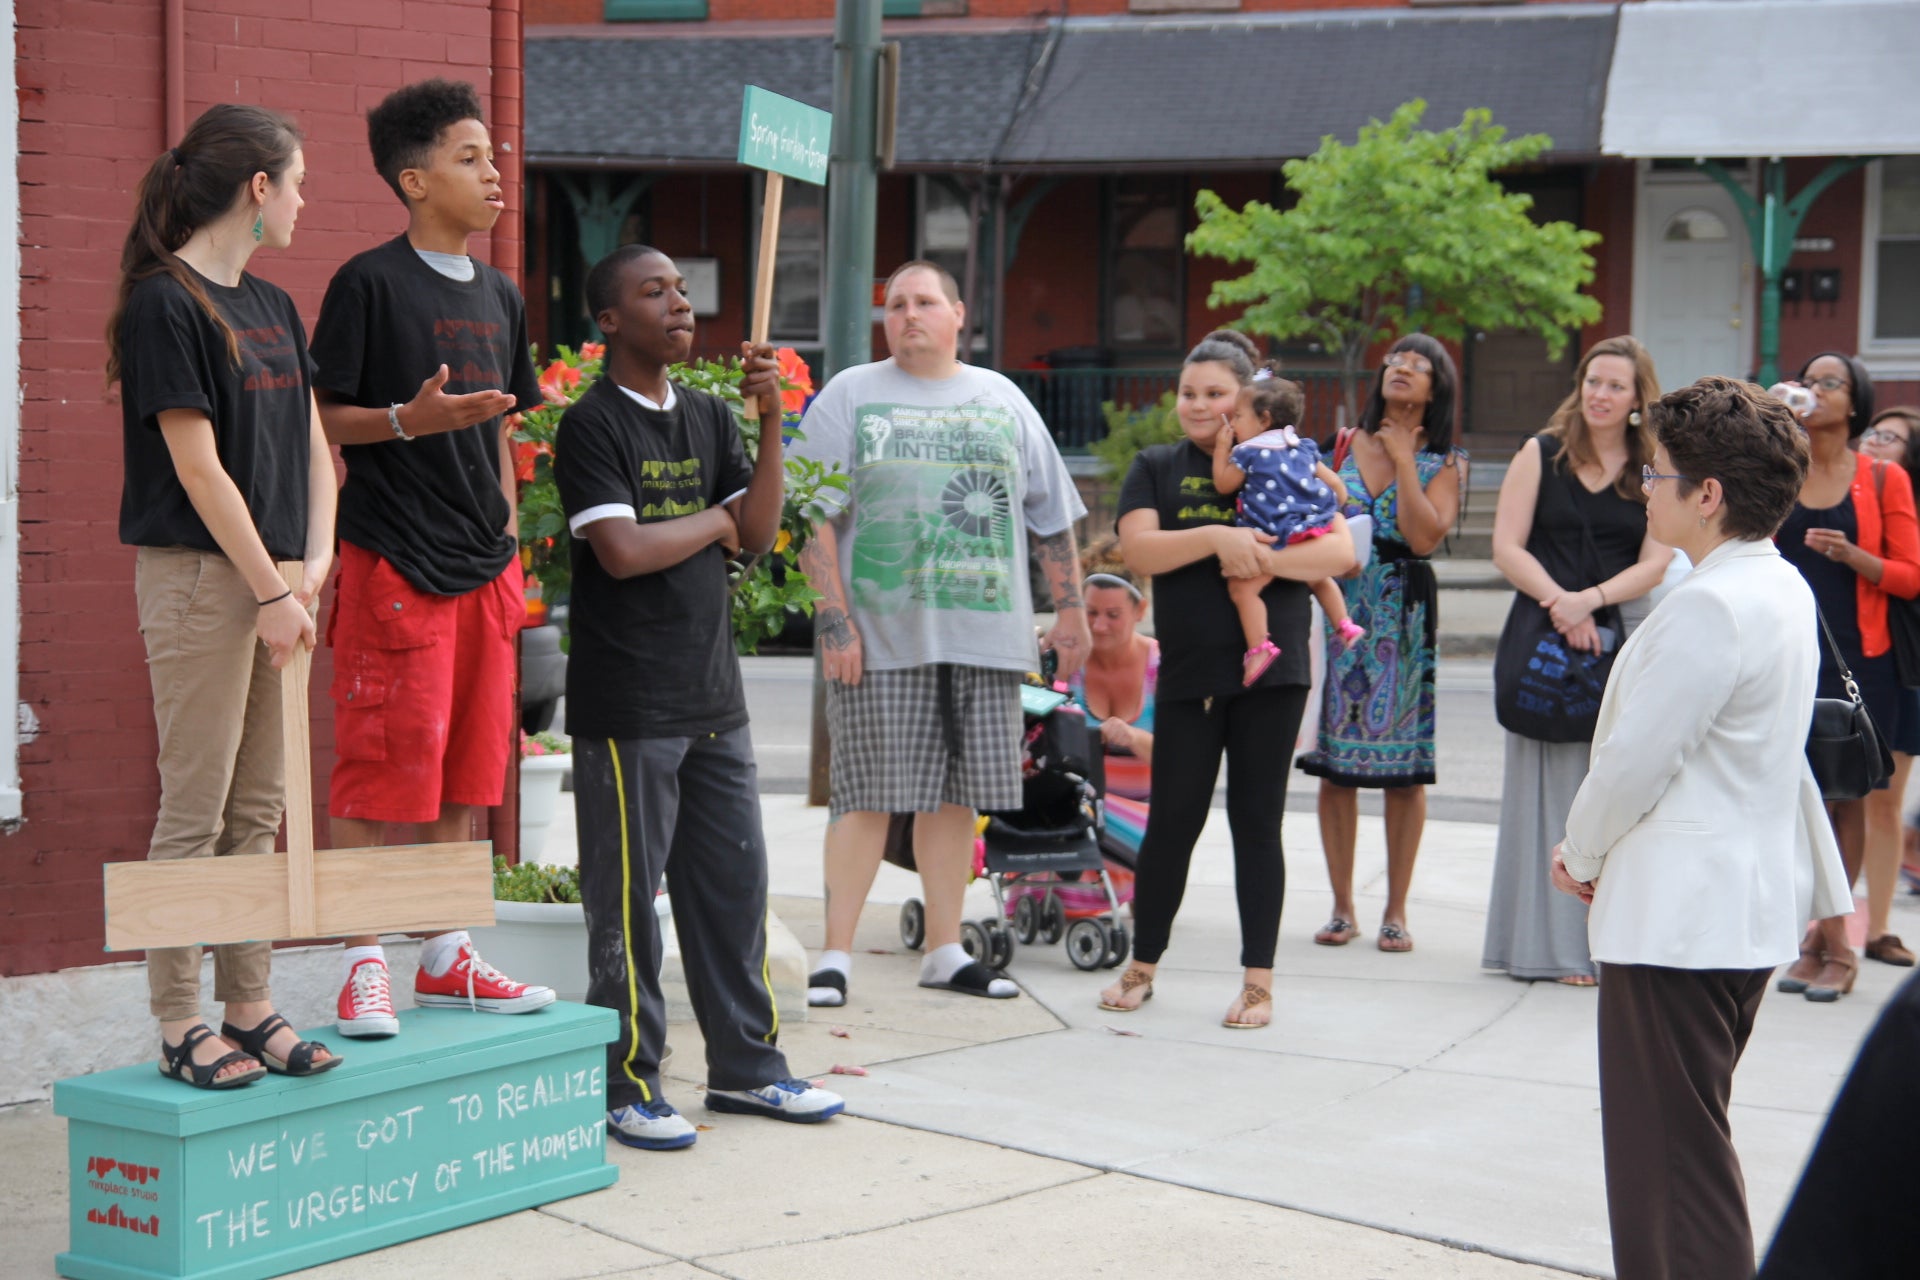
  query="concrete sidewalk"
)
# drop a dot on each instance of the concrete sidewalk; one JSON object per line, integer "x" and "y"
{"x": 1406, "y": 1115}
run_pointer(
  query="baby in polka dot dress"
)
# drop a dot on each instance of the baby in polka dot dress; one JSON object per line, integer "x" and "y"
{"x": 1285, "y": 490}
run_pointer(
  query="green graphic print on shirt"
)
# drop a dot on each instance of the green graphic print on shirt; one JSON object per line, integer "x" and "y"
{"x": 934, "y": 508}
{"x": 671, "y": 490}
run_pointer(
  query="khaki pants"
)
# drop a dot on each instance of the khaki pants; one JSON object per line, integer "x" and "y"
{"x": 216, "y": 702}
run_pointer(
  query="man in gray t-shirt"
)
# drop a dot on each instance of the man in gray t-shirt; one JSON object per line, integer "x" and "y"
{"x": 926, "y": 616}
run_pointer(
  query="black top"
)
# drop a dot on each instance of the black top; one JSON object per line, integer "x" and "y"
{"x": 1558, "y": 541}
{"x": 653, "y": 655}
{"x": 1835, "y": 586}
{"x": 1201, "y": 645}
{"x": 172, "y": 356}
{"x": 432, "y": 506}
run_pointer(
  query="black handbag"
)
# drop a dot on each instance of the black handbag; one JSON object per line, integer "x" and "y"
{"x": 1542, "y": 689}
{"x": 1843, "y": 746}
{"x": 1903, "y": 616}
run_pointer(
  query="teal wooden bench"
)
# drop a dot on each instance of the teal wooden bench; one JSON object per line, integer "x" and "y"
{"x": 460, "y": 1118}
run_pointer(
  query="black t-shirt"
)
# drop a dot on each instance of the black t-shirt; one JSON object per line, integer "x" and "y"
{"x": 1201, "y": 645}
{"x": 173, "y": 356}
{"x": 653, "y": 655}
{"x": 432, "y": 506}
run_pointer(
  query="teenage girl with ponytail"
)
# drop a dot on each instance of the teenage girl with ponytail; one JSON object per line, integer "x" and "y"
{"x": 228, "y": 475}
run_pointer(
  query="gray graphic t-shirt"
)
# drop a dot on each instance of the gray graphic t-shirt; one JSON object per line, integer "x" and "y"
{"x": 947, "y": 478}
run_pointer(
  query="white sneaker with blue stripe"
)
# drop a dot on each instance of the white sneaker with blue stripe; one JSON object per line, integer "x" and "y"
{"x": 794, "y": 1100}
{"x": 651, "y": 1126}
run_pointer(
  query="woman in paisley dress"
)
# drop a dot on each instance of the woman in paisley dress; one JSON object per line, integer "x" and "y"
{"x": 1376, "y": 717}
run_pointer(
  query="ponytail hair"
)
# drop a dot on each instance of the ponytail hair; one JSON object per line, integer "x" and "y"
{"x": 186, "y": 188}
{"x": 1270, "y": 396}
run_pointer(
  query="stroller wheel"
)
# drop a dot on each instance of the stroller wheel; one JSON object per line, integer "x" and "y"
{"x": 1000, "y": 942}
{"x": 1117, "y": 944}
{"x": 974, "y": 939}
{"x": 1026, "y": 919}
{"x": 913, "y": 924}
{"x": 1053, "y": 920}
{"x": 1087, "y": 943}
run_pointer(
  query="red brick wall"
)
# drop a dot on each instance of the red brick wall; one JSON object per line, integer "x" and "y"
{"x": 91, "y": 91}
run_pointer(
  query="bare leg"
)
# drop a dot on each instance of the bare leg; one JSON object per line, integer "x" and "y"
{"x": 855, "y": 842}
{"x": 1245, "y": 593}
{"x": 1850, "y": 830}
{"x": 1339, "y": 828}
{"x": 1406, "y": 822}
{"x": 1333, "y": 601}
{"x": 1257, "y": 1013}
{"x": 1883, "y": 846}
{"x": 454, "y": 824}
{"x": 943, "y": 850}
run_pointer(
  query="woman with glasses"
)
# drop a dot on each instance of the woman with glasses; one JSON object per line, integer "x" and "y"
{"x": 1698, "y": 836}
{"x": 1570, "y": 534}
{"x": 1376, "y": 718}
{"x": 1853, "y": 536}
{"x": 1893, "y": 438}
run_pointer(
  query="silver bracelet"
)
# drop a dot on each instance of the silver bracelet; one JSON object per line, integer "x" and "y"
{"x": 393, "y": 421}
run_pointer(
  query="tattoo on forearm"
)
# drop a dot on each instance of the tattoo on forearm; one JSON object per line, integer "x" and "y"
{"x": 1061, "y": 563}
{"x": 831, "y": 625}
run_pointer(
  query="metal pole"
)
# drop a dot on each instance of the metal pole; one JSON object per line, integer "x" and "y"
{"x": 852, "y": 187}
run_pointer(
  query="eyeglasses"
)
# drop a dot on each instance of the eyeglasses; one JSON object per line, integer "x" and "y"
{"x": 1648, "y": 476}
{"x": 1411, "y": 361}
{"x": 1831, "y": 384}
{"x": 1876, "y": 435}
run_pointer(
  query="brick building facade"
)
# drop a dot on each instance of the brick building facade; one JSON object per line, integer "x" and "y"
{"x": 102, "y": 89}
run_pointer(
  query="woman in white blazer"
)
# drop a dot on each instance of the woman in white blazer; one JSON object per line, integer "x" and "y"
{"x": 1699, "y": 836}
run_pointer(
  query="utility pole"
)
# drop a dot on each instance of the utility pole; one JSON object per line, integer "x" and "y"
{"x": 852, "y": 185}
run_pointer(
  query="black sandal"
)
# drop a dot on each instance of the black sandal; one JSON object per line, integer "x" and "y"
{"x": 179, "y": 1064}
{"x": 972, "y": 978}
{"x": 826, "y": 989}
{"x": 298, "y": 1063}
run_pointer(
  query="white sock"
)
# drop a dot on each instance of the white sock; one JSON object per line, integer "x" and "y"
{"x": 839, "y": 961}
{"x": 437, "y": 954}
{"x": 351, "y": 956}
{"x": 942, "y": 963}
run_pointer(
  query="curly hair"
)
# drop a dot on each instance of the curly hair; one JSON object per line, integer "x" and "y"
{"x": 1438, "y": 419}
{"x": 1734, "y": 432}
{"x": 409, "y": 122}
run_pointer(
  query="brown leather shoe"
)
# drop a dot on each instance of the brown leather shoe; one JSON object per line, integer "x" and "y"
{"x": 1835, "y": 980}
{"x": 1800, "y": 975}
{"x": 1888, "y": 949}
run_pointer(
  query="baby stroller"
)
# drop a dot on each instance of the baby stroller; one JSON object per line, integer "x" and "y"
{"x": 1048, "y": 860}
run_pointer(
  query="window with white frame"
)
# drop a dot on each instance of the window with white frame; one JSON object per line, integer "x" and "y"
{"x": 800, "y": 264}
{"x": 1890, "y": 303}
{"x": 945, "y": 226}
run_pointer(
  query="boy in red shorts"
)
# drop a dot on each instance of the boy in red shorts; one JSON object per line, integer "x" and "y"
{"x": 421, "y": 351}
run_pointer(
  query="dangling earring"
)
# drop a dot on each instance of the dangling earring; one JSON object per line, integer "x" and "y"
{"x": 1703, "y": 522}
{"x": 1633, "y": 419}
{"x": 259, "y": 225}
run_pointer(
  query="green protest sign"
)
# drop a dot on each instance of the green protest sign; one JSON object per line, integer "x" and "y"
{"x": 783, "y": 136}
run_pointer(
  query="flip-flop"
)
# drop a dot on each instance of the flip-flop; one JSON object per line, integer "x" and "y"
{"x": 1251, "y": 998}
{"x": 1265, "y": 652}
{"x": 1396, "y": 934}
{"x": 826, "y": 989}
{"x": 1337, "y": 932}
{"x": 1128, "y": 981}
{"x": 973, "y": 979}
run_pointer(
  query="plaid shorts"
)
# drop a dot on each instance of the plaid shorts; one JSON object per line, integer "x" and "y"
{"x": 892, "y": 753}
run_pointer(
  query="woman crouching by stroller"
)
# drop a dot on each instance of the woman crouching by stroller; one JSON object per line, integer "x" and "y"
{"x": 1178, "y": 528}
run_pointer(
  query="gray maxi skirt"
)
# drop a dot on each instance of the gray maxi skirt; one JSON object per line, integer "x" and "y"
{"x": 1533, "y": 930}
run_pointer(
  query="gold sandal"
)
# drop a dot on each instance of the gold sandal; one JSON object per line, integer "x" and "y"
{"x": 1251, "y": 998}
{"x": 1130, "y": 981}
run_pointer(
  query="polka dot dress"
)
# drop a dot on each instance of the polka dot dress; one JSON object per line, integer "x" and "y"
{"x": 1281, "y": 495}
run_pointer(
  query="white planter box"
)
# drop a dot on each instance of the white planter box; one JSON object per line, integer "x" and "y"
{"x": 544, "y": 943}
{"x": 540, "y": 778}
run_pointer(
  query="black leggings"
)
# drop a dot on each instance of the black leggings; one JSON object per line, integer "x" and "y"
{"x": 1257, "y": 731}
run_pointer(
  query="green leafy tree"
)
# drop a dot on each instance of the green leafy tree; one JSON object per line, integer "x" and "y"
{"x": 1405, "y": 229}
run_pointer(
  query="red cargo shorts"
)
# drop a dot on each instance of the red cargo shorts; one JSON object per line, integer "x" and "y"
{"x": 424, "y": 691}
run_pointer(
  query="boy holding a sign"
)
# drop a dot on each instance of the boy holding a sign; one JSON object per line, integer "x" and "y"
{"x": 422, "y": 351}
{"x": 658, "y": 493}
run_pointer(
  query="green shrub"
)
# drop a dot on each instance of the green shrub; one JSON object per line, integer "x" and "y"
{"x": 1131, "y": 428}
{"x": 533, "y": 882}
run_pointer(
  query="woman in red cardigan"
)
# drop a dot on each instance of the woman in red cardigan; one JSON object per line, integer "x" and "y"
{"x": 1854, "y": 537}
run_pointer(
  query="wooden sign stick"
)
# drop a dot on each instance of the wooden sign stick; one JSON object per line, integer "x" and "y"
{"x": 300, "y": 893}
{"x": 763, "y": 271}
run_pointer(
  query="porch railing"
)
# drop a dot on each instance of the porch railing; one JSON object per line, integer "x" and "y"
{"x": 1069, "y": 400}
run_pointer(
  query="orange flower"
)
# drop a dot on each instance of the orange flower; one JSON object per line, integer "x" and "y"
{"x": 797, "y": 377}
{"x": 593, "y": 351}
{"x": 559, "y": 378}
{"x": 524, "y": 454}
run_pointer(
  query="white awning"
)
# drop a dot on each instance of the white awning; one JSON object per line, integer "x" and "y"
{"x": 1697, "y": 78}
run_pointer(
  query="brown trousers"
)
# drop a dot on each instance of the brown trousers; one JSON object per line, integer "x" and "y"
{"x": 1669, "y": 1041}
{"x": 216, "y": 703}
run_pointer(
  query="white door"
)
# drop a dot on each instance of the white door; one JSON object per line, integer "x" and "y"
{"x": 1692, "y": 300}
